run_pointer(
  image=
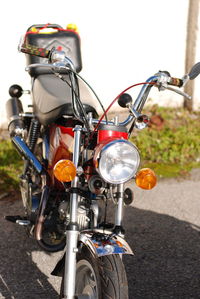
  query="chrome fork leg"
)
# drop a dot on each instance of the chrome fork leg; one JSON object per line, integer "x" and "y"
{"x": 70, "y": 264}
{"x": 72, "y": 228}
{"x": 119, "y": 209}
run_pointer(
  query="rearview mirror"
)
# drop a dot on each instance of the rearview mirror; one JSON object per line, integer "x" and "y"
{"x": 195, "y": 71}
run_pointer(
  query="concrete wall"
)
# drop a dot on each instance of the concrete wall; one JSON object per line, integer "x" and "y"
{"x": 123, "y": 42}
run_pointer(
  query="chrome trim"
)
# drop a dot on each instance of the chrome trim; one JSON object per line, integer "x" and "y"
{"x": 110, "y": 243}
{"x": 141, "y": 98}
{"x": 23, "y": 222}
{"x": 120, "y": 204}
{"x": 57, "y": 56}
{"x": 30, "y": 115}
{"x": 75, "y": 196}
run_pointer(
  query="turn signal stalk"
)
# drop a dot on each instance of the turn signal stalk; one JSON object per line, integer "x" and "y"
{"x": 146, "y": 179}
{"x": 64, "y": 171}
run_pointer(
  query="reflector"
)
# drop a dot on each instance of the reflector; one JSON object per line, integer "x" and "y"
{"x": 64, "y": 171}
{"x": 146, "y": 179}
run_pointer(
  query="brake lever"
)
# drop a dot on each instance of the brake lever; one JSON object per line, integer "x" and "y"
{"x": 27, "y": 69}
{"x": 163, "y": 83}
{"x": 55, "y": 66}
{"x": 182, "y": 93}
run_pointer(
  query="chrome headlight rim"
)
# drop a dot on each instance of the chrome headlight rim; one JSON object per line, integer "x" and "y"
{"x": 102, "y": 167}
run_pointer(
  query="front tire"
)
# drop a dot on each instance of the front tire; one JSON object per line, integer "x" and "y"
{"x": 100, "y": 278}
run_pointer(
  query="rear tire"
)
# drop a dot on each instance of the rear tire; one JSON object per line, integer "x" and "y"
{"x": 100, "y": 278}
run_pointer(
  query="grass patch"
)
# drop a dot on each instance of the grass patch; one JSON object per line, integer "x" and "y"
{"x": 171, "y": 170}
{"x": 171, "y": 145}
{"x": 10, "y": 167}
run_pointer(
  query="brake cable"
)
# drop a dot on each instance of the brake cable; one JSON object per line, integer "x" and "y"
{"x": 134, "y": 85}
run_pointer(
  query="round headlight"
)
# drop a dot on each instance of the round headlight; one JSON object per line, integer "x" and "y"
{"x": 118, "y": 161}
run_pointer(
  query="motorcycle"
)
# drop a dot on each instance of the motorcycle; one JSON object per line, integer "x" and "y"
{"x": 76, "y": 162}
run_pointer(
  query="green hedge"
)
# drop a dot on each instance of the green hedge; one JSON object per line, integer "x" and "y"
{"x": 174, "y": 147}
{"x": 10, "y": 167}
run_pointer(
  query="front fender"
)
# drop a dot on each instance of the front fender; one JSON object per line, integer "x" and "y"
{"x": 99, "y": 243}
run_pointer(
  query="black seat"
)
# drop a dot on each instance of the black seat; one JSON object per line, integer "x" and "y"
{"x": 52, "y": 98}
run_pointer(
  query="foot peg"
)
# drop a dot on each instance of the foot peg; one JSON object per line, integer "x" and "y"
{"x": 18, "y": 219}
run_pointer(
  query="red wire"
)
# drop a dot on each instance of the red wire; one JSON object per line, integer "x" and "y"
{"x": 95, "y": 129}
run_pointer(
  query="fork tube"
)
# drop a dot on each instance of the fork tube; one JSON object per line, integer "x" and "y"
{"x": 119, "y": 209}
{"x": 72, "y": 228}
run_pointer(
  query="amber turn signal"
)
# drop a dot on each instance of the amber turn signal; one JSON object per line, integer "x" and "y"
{"x": 146, "y": 179}
{"x": 64, "y": 171}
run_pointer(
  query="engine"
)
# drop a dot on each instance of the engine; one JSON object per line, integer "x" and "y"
{"x": 85, "y": 218}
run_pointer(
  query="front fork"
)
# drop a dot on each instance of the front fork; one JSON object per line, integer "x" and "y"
{"x": 72, "y": 231}
{"x": 120, "y": 204}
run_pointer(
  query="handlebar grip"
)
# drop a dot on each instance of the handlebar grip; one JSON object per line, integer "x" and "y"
{"x": 175, "y": 82}
{"x": 33, "y": 50}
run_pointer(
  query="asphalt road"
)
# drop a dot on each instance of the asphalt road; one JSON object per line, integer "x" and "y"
{"x": 162, "y": 227}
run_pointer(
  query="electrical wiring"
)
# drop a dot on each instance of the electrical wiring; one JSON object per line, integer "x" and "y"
{"x": 77, "y": 98}
{"x": 100, "y": 103}
{"x": 77, "y": 95}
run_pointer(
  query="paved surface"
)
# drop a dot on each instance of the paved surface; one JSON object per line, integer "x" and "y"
{"x": 163, "y": 228}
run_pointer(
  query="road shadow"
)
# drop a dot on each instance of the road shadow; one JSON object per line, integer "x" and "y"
{"x": 166, "y": 263}
{"x": 20, "y": 277}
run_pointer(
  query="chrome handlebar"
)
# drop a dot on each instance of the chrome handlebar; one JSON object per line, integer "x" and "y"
{"x": 161, "y": 79}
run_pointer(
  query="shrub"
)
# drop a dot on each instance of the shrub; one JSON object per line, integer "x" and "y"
{"x": 176, "y": 144}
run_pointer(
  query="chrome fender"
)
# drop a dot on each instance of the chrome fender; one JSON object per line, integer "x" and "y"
{"x": 99, "y": 243}
{"x": 102, "y": 242}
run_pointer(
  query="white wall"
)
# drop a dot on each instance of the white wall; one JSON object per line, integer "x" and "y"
{"x": 123, "y": 42}
{"x": 196, "y": 96}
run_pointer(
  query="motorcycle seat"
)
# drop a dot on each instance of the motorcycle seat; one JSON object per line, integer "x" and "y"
{"x": 52, "y": 98}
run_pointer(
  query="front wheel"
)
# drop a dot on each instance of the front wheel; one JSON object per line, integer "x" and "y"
{"x": 100, "y": 278}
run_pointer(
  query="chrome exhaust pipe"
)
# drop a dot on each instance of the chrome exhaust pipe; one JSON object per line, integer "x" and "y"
{"x": 39, "y": 226}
